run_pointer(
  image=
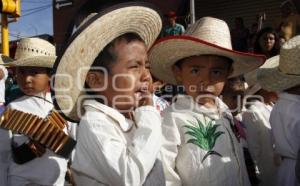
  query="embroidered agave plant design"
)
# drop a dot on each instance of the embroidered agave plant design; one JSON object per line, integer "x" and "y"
{"x": 204, "y": 137}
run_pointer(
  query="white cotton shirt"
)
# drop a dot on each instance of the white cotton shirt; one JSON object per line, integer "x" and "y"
{"x": 49, "y": 169}
{"x": 2, "y": 84}
{"x": 159, "y": 103}
{"x": 113, "y": 150}
{"x": 184, "y": 162}
{"x": 285, "y": 122}
{"x": 260, "y": 141}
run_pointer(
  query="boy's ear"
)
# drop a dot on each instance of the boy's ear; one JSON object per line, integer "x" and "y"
{"x": 177, "y": 73}
{"x": 94, "y": 79}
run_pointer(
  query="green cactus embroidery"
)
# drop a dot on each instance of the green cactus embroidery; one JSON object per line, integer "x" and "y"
{"x": 204, "y": 137}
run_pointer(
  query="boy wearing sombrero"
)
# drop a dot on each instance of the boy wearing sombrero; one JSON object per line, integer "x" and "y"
{"x": 256, "y": 114}
{"x": 32, "y": 163}
{"x": 102, "y": 80}
{"x": 282, "y": 74}
{"x": 200, "y": 147}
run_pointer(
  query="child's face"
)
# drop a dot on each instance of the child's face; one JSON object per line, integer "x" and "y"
{"x": 33, "y": 80}
{"x": 129, "y": 77}
{"x": 203, "y": 76}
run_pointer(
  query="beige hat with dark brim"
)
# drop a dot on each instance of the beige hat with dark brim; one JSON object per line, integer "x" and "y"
{"x": 167, "y": 51}
{"x": 36, "y": 61}
{"x": 88, "y": 41}
{"x": 34, "y": 52}
{"x": 272, "y": 79}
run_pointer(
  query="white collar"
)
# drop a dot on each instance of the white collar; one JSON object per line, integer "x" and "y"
{"x": 187, "y": 102}
{"x": 112, "y": 113}
{"x": 39, "y": 97}
{"x": 46, "y": 96}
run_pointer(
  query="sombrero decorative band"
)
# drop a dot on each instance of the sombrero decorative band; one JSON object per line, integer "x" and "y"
{"x": 208, "y": 36}
{"x": 48, "y": 132}
{"x": 34, "y": 52}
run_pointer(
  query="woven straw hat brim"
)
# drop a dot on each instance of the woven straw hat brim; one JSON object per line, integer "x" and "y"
{"x": 36, "y": 61}
{"x": 86, "y": 44}
{"x": 167, "y": 51}
{"x": 253, "y": 89}
{"x": 272, "y": 79}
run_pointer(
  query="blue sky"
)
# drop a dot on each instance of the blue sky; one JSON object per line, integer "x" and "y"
{"x": 36, "y": 18}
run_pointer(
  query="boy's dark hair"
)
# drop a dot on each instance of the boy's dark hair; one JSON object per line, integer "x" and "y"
{"x": 108, "y": 56}
{"x": 179, "y": 62}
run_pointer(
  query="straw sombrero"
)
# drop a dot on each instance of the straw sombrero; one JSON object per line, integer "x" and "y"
{"x": 251, "y": 80}
{"x": 208, "y": 36}
{"x": 88, "y": 41}
{"x": 283, "y": 71}
{"x": 34, "y": 52}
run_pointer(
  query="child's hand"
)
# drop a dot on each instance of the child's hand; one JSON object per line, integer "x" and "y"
{"x": 147, "y": 95}
{"x": 147, "y": 100}
{"x": 36, "y": 148}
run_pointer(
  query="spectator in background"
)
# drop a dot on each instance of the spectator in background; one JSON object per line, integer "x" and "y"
{"x": 267, "y": 42}
{"x": 239, "y": 35}
{"x": 289, "y": 23}
{"x": 252, "y": 36}
{"x": 173, "y": 28}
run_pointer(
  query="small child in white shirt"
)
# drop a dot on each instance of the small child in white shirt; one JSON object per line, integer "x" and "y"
{"x": 31, "y": 162}
{"x": 282, "y": 74}
{"x": 233, "y": 95}
{"x": 258, "y": 107}
{"x": 199, "y": 146}
{"x": 119, "y": 134}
